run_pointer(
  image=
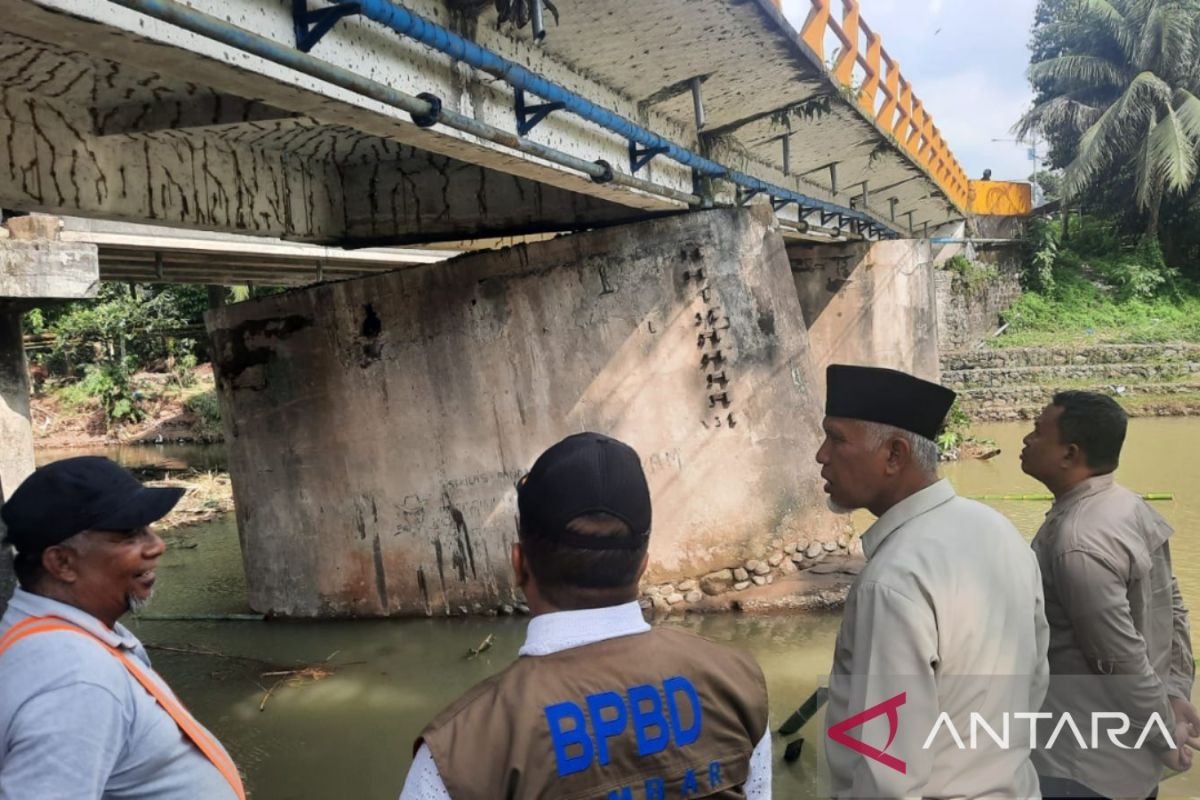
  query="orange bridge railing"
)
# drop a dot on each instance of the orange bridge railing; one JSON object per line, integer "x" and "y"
{"x": 883, "y": 93}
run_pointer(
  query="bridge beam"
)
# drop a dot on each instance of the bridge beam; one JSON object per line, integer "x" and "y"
{"x": 197, "y": 110}
{"x": 280, "y": 175}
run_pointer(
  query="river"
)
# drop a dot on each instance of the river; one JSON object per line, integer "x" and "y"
{"x": 348, "y": 734}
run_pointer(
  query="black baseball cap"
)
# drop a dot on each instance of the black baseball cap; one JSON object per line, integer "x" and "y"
{"x": 66, "y": 497}
{"x": 587, "y": 473}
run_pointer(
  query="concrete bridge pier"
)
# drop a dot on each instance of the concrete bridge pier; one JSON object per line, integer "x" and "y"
{"x": 869, "y": 303}
{"x": 375, "y": 427}
{"x": 35, "y": 268}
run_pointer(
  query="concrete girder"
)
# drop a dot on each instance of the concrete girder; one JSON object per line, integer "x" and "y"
{"x": 755, "y": 68}
{"x": 204, "y": 110}
{"x": 438, "y": 198}
{"x": 54, "y": 163}
{"x": 121, "y": 36}
{"x": 290, "y": 177}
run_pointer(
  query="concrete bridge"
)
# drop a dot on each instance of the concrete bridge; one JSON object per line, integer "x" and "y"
{"x": 374, "y": 424}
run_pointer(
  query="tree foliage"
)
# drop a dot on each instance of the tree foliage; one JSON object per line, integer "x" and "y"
{"x": 1117, "y": 84}
{"x": 103, "y": 342}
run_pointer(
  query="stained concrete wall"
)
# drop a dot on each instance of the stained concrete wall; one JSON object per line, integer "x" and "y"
{"x": 375, "y": 427}
{"x": 869, "y": 303}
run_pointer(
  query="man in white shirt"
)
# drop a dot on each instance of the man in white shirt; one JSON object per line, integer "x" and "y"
{"x": 946, "y": 620}
{"x": 598, "y": 704}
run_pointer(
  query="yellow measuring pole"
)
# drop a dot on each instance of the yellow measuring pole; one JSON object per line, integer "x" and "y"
{"x": 1167, "y": 496}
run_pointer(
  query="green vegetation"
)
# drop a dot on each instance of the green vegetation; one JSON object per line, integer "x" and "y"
{"x": 132, "y": 348}
{"x": 956, "y": 435}
{"x": 1117, "y": 97}
{"x": 971, "y": 275}
{"x": 1099, "y": 288}
{"x": 205, "y": 406}
{"x": 98, "y": 346}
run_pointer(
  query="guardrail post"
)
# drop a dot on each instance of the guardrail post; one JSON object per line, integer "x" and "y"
{"x": 813, "y": 32}
{"x": 843, "y": 70}
{"x": 866, "y": 96}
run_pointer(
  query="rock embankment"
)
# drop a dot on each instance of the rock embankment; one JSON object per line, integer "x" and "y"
{"x": 1148, "y": 380}
{"x": 801, "y": 574}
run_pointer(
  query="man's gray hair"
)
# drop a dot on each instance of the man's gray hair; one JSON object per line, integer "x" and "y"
{"x": 924, "y": 451}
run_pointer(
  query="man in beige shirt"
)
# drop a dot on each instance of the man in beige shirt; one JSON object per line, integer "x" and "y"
{"x": 1119, "y": 638}
{"x": 945, "y": 620}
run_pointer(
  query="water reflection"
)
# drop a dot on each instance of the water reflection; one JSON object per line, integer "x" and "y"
{"x": 147, "y": 457}
{"x": 349, "y": 735}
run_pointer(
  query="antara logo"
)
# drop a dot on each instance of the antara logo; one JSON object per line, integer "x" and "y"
{"x": 838, "y": 732}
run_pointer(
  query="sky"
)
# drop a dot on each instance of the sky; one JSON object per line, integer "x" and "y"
{"x": 966, "y": 59}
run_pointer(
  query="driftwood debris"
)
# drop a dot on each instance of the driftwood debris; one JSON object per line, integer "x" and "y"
{"x": 300, "y": 676}
{"x": 486, "y": 644}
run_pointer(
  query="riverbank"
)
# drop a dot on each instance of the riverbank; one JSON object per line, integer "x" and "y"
{"x": 173, "y": 410}
{"x": 207, "y": 496}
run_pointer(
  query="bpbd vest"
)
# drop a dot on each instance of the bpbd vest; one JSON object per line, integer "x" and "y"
{"x": 655, "y": 716}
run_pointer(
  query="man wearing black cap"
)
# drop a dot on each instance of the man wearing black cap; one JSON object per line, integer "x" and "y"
{"x": 598, "y": 705}
{"x": 82, "y": 714}
{"x": 944, "y": 622}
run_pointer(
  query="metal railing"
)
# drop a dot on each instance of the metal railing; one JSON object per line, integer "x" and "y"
{"x": 900, "y": 115}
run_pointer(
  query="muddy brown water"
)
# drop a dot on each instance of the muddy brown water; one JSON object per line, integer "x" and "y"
{"x": 349, "y": 735}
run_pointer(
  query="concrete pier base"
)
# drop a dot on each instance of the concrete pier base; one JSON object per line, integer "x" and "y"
{"x": 375, "y": 427}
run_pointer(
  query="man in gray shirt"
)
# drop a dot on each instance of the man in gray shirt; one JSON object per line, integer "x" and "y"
{"x": 1119, "y": 637}
{"x": 82, "y": 714}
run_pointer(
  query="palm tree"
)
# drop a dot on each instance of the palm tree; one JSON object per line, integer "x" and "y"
{"x": 1125, "y": 81}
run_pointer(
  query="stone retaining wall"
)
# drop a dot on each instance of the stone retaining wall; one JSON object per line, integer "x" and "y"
{"x": 969, "y": 315}
{"x": 1016, "y": 384}
{"x": 1062, "y": 356}
{"x": 1009, "y": 376}
{"x": 1027, "y": 395}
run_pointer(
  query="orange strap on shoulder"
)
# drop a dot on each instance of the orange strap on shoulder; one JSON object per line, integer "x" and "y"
{"x": 182, "y": 717}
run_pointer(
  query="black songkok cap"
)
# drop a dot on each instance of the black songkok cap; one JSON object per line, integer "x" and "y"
{"x": 78, "y": 494}
{"x": 587, "y": 473}
{"x": 886, "y": 396}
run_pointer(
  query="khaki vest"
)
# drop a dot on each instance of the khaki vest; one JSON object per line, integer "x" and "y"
{"x": 654, "y": 716}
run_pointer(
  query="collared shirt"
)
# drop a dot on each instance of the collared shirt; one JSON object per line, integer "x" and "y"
{"x": 75, "y": 725}
{"x": 564, "y": 630}
{"x": 948, "y": 612}
{"x": 1116, "y": 616}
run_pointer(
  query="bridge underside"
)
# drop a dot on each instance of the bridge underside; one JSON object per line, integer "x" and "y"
{"x": 107, "y": 113}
